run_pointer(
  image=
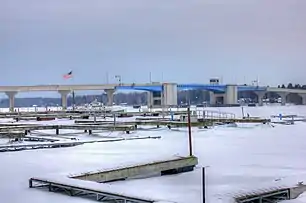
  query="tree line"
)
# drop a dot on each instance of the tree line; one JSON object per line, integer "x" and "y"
{"x": 291, "y": 86}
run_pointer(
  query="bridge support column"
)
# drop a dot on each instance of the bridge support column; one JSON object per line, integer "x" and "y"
{"x": 64, "y": 94}
{"x": 303, "y": 98}
{"x": 169, "y": 94}
{"x": 150, "y": 99}
{"x": 212, "y": 98}
{"x": 260, "y": 97}
{"x": 110, "y": 96}
{"x": 284, "y": 98}
{"x": 11, "y": 96}
{"x": 231, "y": 95}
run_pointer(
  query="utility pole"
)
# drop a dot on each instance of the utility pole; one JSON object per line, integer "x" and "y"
{"x": 189, "y": 132}
{"x": 150, "y": 77}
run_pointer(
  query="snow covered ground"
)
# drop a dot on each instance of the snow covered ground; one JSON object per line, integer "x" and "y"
{"x": 248, "y": 157}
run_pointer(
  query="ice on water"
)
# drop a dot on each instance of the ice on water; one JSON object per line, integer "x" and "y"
{"x": 247, "y": 157}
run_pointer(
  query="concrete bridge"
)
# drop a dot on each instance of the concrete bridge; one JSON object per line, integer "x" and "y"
{"x": 159, "y": 94}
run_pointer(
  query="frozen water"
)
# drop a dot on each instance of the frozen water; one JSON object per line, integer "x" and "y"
{"x": 238, "y": 159}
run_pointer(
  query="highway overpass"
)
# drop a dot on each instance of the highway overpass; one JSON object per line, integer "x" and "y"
{"x": 159, "y": 94}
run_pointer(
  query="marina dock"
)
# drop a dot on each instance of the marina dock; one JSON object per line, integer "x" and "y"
{"x": 56, "y": 144}
{"x": 96, "y": 188}
{"x": 165, "y": 167}
{"x": 92, "y": 191}
{"x": 86, "y": 128}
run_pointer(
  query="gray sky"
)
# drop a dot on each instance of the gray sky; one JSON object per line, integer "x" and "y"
{"x": 177, "y": 40}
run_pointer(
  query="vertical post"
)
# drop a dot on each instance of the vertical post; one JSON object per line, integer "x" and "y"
{"x": 203, "y": 185}
{"x": 242, "y": 112}
{"x": 189, "y": 132}
{"x": 150, "y": 77}
{"x": 114, "y": 119}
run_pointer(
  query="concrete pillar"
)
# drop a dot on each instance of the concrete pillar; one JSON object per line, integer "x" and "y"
{"x": 110, "y": 96}
{"x": 212, "y": 98}
{"x": 150, "y": 99}
{"x": 260, "y": 96}
{"x": 64, "y": 94}
{"x": 231, "y": 95}
{"x": 303, "y": 98}
{"x": 284, "y": 98}
{"x": 11, "y": 96}
{"x": 169, "y": 94}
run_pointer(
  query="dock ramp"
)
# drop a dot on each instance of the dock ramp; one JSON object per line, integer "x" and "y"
{"x": 271, "y": 195}
{"x": 171, "y": 166}
{"x": 94, "y": 191}
{"x": 96, "y": 187}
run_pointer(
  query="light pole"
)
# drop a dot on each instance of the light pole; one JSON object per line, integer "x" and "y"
{"x": 189, "y": 132}
{"x": 118, "y": 77}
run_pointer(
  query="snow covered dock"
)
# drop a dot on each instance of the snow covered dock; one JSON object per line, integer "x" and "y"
{"x": 165, "y": 167}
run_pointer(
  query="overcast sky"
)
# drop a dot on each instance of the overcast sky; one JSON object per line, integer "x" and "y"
{"x": 184, "y": 41}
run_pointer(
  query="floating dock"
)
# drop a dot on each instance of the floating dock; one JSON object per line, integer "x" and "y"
{"x": 55, "y": 144}
{"x": 19, "y": 147}
{"x": 89, "y": 128}
{"x": 171, "y": 166}
{"x": 74, "y": 186}
{"x": 94, "y": 192}
{"x": 271, "y": 195}
{"x": 158, "y": 123}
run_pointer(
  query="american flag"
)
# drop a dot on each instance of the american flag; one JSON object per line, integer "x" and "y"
{"x": 68, "y": 75}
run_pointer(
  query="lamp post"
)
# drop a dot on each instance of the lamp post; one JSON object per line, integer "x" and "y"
{"x": 118, "y": 77}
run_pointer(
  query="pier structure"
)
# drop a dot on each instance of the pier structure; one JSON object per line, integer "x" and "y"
{"x": 87, "y": 128}
{"x": 96, "y": 185}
